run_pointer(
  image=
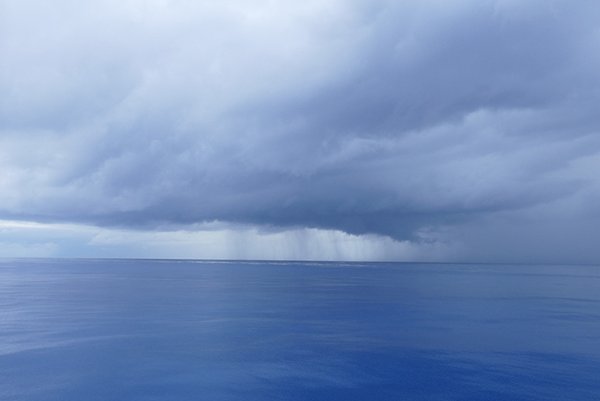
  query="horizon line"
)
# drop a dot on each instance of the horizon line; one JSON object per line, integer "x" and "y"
{"x": 297, "y": 261}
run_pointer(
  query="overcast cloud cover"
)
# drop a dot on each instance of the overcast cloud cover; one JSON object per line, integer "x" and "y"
{"x": 426, "y": 130}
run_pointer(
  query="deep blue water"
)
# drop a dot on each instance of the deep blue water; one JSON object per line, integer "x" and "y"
{"x": 179, "y": 330}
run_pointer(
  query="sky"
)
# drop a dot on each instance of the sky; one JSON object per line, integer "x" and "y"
{"x": 415, "y": 130}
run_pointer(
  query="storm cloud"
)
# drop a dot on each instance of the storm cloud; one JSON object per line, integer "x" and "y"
{"x": 463, "y": 122}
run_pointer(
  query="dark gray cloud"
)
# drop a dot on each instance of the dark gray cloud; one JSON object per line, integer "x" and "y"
{"x": 472, "y": 121}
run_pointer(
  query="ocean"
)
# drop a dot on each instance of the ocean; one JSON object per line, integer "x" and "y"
{"x": 85, "y": 330}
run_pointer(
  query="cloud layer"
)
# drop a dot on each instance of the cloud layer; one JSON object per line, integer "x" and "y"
{"x": 468, "y": 121}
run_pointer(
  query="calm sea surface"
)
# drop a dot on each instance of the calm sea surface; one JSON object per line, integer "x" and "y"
{"x": 84, "y": 330}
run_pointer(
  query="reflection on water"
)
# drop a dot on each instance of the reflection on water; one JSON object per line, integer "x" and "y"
{"x": 174, "y": 330}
